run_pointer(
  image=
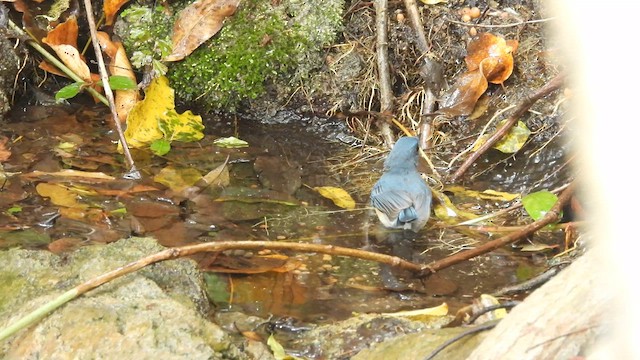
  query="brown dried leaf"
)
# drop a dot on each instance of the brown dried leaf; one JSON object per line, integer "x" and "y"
{"x": 464, "y": 95}
{"x": 63, "y": 39}
{"x": 197, "y": 23}
{"x": 110, "y": 9}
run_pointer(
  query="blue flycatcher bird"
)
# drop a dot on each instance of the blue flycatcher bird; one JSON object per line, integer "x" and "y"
{"x": 401, "y": 197}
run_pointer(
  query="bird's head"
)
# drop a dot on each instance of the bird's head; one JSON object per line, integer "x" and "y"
{"x": 404, "y": 154}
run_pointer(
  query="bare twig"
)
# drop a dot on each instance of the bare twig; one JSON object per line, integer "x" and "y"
{"x": 551, "y": 216}
{"x": 384, "y": 78}
{"x": 133, "y": 173}
{"x": 178, "y": 252}
{"x": 551, "y": 86}
{"x": 489, "y": 26}
{"x": 57, "y": 63}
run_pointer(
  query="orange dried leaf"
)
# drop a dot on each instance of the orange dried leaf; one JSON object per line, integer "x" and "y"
{"x": 63, "y": 39}
{"x": 197, "y": 23}
{"x": 110, "y": 9}
{"x": 465, "y": 93}
{"x": 494, "y": 54}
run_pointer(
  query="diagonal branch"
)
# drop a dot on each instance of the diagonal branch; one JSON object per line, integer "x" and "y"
{"x": 552, "y": 216}
{"x": 548, "y": 88}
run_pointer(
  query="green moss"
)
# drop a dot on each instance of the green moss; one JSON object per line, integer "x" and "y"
{"x": 262, "y": 43}
{"x": 256, "y": 45}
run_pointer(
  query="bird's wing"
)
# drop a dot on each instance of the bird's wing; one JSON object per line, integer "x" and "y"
{"x": 390, "y": 201}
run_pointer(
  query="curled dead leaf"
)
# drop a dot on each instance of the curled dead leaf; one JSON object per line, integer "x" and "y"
{"x": 494, "y": 54}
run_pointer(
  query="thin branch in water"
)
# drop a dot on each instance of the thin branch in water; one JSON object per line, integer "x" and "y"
{"x": 133, "y": 173}
{"x": 548, "y": 88}
{"x": 552, "y": 216}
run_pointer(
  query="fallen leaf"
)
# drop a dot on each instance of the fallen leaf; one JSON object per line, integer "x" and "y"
{"x": 489, "y": 60}
{"x": 486, "y": 194}
{"x": 339, "y": 196}
{"x": 539, "y": 203}
{"x": 230, "y": 142}
{"x": 59, "y": 195}
{"x": 156, "y": 112}
{"x": 421, "y": 314}
{"x": 119, "y": 66}
{"x": 537, "y": 247}
{"x": 110, "y": 8}
{"x": 464, "y": 95}
{"x": 63, "y": 39}
{"x": 218, "y": 176}
{"x": 278, "y": 350}
{"x": 177, "y": 179}
{"x": 494, "y": 54}
{"x": 514, "y": 139}
{"x": 446, "y": 211}
{"x": 197, "y": 23}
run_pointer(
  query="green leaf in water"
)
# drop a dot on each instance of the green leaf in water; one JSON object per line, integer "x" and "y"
{"x": 539, "y": 203}
{"x": 14, "y": 209}
{"x": 230, "y": 142}
{"x": 217, "y": 288}
{"x": 69, "y": 91}
{"x": 160, "y": 147}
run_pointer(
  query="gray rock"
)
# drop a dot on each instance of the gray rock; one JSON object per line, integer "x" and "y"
{"x": 155, "y": 313}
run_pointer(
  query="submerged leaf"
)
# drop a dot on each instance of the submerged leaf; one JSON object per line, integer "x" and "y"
{"x": 514, "y": 139}
{"x": 230, "y": 142}
{"x": 60, "y": 195}
{"x": 339, "y": 196}
{"x": 177, "y": 179}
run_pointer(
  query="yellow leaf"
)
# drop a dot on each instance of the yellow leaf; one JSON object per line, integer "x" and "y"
{"x": 487, "y": 300}
{"x": 515, "y": 138}
{"x": 278, "y": 350}
{"x": 447, "y": 211}
{"x": 422, "y": 314}
{"x": 486, "y": 194}
{"x": 339, "y": 196}
{"x": 156, "y": 113}
{"x": 433, "y": 2}
{"x": 60, "y": 195}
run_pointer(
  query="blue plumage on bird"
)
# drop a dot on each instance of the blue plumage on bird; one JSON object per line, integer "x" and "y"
{"x": 401, "y": 198}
